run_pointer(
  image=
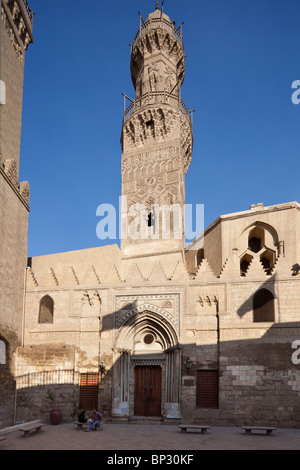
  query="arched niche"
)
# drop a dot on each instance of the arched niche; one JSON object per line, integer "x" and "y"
{"x": 263, "y": 306}
{"x": 258, "y": 235}
{"x": 146, "y": 338}
{"x": 46, "y": 310}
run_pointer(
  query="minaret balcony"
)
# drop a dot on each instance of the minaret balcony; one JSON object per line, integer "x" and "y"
{"x": 160, "y": 22}
{"x": 157, "y": 98}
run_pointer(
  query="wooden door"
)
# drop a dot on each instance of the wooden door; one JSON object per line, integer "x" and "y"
{"x": 147, "y": 396}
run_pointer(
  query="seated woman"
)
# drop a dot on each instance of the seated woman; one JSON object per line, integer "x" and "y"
{"x": 82, "y": 418}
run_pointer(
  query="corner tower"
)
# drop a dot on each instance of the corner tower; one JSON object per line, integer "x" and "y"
{"x": 16, "y": 35}
{"x": 157, "y": 138}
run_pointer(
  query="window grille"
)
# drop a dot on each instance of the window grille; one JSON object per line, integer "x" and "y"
{"x": 88, "y": 391}
{"x": 208, "y": 388}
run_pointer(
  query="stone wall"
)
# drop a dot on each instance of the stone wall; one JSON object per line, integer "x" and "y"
{"x": 13, "y": 256}
{"x": 14, "y": 200}
{"x": 7, "y": 383}
{"x": 42, "y": 368}
{"x": 55, "y": 368}
{"x": 259, "y": 385}
{"x": 12, "y": 73}
{"x": 258, "y": 382}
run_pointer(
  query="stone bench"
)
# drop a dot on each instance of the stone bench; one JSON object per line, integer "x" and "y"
{"x": 195, "y": 428}
{"x": 33, "y": 427}
{"x": 81, "y": 426}
{"x": 17, "y": 427}
{"x": 249, "y": 429}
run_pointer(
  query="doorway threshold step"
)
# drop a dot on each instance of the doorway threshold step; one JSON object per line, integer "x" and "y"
{"x": 145, "y": 419}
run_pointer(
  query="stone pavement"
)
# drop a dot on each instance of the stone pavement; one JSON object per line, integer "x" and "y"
{"x": 114, "y": 437}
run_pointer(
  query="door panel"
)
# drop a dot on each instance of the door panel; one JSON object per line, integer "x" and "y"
{"x": 147, "y": 397}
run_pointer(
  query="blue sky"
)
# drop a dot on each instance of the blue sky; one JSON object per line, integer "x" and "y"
{"x": 242, "y": 58}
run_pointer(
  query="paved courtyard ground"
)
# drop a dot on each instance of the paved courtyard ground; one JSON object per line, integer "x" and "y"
{"x": 138, "y": 437}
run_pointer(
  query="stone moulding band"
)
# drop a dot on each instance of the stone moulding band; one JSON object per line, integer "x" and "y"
{"x": 147, "y": 362}
{"x": 151, "y": 308}
{"x": 157, "y": 97}
{"x": 141, "y": 317}
{"x": 16, "y": 190}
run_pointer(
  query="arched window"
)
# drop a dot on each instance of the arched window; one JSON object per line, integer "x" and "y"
{"x": 46, "y": 312}
{"x": 2, "y": 353}
{"x": 263, "y": 306}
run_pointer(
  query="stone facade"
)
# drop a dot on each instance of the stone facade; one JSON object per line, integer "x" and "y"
{"x": 14, "y": 200}
{"x": 105, "y": 305}
{"x": 154, "y": 328}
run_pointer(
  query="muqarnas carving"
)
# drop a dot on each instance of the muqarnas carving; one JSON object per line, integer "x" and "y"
{"x": 152, "y": 124}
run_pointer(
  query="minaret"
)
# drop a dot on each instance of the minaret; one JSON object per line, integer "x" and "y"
{"x": 157, "y": 141}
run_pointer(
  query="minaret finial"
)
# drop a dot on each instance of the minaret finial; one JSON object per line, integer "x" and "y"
{"x": 157, "y": 4}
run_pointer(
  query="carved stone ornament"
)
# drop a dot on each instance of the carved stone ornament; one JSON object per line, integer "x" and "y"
{"x": 157, "y": 40}
{"x": 25, "y": 191}
{"x": 150, "y": 125}
{"x": 10, "y": 168}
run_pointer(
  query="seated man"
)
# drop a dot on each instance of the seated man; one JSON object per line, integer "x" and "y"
{"x": 96, "y": 419}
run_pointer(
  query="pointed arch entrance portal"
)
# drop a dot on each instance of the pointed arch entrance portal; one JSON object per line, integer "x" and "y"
{"x": 147, "y": 366}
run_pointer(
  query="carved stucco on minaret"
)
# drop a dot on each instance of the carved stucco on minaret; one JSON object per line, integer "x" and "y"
{"x": 157, "y": 138}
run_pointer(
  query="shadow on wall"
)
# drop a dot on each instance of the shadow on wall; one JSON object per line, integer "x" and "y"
{"x": 262, "y": 303}
{"x": 257, "y": 380}
{"x": 8, "y": 344}
{"x": 72, "y": 393}
{"x": 257, "y": 384}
